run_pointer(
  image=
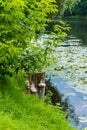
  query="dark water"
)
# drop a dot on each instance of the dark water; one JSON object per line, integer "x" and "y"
{"x": 78, "y": 28}
{"x": 70, "y": 76}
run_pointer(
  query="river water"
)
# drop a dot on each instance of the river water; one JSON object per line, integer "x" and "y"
{"x": 70, "y": 75}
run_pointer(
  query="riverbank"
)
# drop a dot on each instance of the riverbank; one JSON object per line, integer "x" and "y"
{"x": 59, "y": 98}
{"x": 19, "y": 111}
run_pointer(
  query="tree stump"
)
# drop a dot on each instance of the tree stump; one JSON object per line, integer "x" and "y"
{"x": 38, "y": 81}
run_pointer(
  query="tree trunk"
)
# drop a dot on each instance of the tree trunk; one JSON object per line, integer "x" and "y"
{"x": 36, "y": 79}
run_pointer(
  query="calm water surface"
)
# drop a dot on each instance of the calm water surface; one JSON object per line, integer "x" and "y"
{"x": 71, "y": 69}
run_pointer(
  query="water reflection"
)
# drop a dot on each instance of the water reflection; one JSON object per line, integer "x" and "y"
{"x": 78, "y": 28}
{"x": 72, "y": 66}
{"x": 65, "y": 105}
{"x": 75, "y": 103}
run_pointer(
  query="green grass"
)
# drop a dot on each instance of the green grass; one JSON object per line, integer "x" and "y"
{"x": 19, "y": 111}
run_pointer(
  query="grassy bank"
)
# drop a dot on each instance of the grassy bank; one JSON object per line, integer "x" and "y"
{"x": 19, "y": 111}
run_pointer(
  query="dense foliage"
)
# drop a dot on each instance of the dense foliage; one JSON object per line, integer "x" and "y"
{"x": 64, "y": 5}
{"x": 21, "y": 24}
{"x": 79, "y": 9}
